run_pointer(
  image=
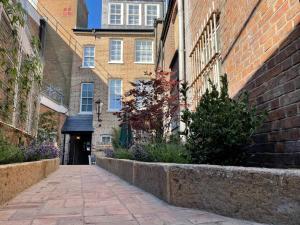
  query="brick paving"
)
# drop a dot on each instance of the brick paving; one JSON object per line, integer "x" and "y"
{"x": 76, "y": 195}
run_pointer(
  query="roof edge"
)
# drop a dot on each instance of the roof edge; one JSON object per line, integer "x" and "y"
{"x": 89, "y": 30}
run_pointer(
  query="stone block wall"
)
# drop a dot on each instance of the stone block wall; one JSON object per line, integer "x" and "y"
{"x": 15, "y": 178}
{"x": 269, "y": 196}
{"x": 152, "y": 178}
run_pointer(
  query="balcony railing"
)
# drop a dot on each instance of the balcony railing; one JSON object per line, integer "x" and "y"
{"x": 53, "y": 93}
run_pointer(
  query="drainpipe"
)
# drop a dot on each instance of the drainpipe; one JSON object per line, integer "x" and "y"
{"x": 64, "y": 150}
{"x": 1, "y": 9}
{"x": 181, "y": 53}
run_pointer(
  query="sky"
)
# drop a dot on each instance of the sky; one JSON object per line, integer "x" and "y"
{"x": 94, "y": 7}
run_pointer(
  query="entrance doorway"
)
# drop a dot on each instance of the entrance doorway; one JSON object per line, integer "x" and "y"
{"x": 80, "y": 149}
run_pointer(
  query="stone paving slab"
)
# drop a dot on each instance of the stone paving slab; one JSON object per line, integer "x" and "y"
{"x": 77, "y": 195}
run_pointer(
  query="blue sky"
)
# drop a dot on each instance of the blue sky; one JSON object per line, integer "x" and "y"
{"x": 94, "y": 7}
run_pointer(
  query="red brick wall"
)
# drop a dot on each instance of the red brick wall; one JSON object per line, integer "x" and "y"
{"x": 260, "y": 42}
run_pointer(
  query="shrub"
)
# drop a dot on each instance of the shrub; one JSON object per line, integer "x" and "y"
{"x": 168, "y": 153}
{"x": 116, "y": 138}
{"x": 123, "y": 154}
{"x": 109, "y": 153}
{"x": 9, "y": 153}
{"x": 221, "y": 126}
{"x": 140, "y": 153}
{"x": 45, "y": 150}
{"x": 158, "y": 152}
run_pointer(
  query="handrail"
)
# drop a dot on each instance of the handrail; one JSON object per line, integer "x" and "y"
{"x": 65, "y": 34}
{"x": 53, "y": 92}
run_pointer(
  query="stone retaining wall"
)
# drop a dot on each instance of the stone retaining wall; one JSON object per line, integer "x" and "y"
{"x": 258, "y": 194}
{"x": 14, "y": 178}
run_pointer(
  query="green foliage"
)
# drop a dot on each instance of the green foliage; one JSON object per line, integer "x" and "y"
{"x": 9, "y": 153}
{"x": 116, "y": 138}
{"x": 158, "y": 152}
{"x": 221, "y": 126}
{"x": 48, "y": 127}
{"x": 168, "y": 153}
{"x": 186, "y": 114}
{"x": 123, "y": 154}
{"x": 30, "y": 73}
{"x": 15, "y": 12}
{"x": 31, "y": 68}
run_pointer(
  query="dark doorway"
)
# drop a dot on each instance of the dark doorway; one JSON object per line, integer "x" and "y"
{"x": 80, "y": 149}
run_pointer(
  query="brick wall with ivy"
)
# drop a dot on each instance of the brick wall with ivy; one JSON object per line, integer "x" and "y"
{"x": 20, "y": 72}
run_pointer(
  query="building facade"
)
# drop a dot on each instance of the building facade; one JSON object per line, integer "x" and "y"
{"x": 128, "y": 14}
{"x": 100, "y": 68}
{"x": 19, "y": 91}
{"x": 256, "y": 43}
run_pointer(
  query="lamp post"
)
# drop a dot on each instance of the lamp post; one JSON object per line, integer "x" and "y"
{"x": 99, "y": 105}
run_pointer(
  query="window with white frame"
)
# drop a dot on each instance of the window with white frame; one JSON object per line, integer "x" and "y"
{"x": 116, "y": 51}
{"x": 86, "y": 101}
{"x": 151, "y": 13}
{"x": 89, "y": 57}
{"x": 134, "y": 14}
{"x": 144, "y": 51}
{"x": 115, "y": 13}
{"x": 105, "y": 139}
{"x": 205, "y": 58}
{"x": 115, "y": 95}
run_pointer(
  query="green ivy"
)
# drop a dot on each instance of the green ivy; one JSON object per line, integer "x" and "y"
{"x": 31, "y": 67}
{"x": 15, "y": 12}
{"x": 30, "y": 71}
{"x": 48, "y": 126}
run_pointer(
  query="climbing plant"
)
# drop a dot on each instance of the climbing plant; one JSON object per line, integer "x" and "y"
{"x": 9, "y": 55}
{"x": 25, "y": 70}
{"x": 15, "y": 13}
{"x": 30, "y": 73}
{"x": 48, "y": 126}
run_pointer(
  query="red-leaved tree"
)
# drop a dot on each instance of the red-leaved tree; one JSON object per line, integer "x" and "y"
{"x": 151, "y": 104}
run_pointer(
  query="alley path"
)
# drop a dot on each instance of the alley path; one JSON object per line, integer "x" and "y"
{"x": 76, "y": 195}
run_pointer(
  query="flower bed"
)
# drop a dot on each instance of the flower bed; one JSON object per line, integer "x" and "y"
{"x": 10, "y": 153}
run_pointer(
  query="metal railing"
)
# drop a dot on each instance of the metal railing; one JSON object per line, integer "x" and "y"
{"x": 53, "y": 92}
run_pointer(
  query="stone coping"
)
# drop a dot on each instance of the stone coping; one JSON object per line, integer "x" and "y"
{"x": 258, "y": 194}
{"x": 16, "y": 177}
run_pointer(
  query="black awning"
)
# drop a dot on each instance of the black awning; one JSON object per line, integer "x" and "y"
{"x": 77, "y": 124}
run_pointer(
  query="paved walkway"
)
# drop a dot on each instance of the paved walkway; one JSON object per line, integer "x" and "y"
{"x": 76, "y": 195}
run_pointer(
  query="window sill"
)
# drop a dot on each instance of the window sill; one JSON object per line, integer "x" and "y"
{"x": 87, "y": 67}
{"x": 85, "y": 113}
{"x": 147, "y": 63}
{"x": 113, "y": 111}
{"x": 134, "y": 24}
{"x": 115, "y": 62}
{"x": 121, "y": 24}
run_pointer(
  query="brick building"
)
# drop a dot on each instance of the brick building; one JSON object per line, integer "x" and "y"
{"x": 98, "y": 65}
{"x": 257, "y": 44}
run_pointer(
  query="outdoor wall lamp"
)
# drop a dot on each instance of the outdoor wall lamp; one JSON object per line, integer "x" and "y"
{"x": 99, "y": 105}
